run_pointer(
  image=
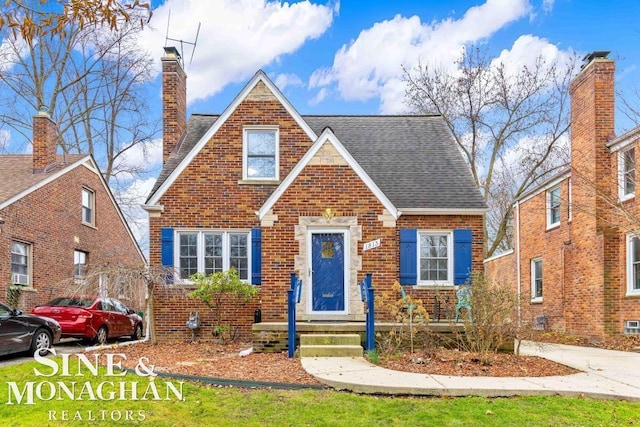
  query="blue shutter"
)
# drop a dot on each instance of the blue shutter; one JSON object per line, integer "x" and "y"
{"x": 166, "y": 250}
{"x": 408, "y": 256}
{"x": 461, "y": 256}
{"x": 256, "y": 256}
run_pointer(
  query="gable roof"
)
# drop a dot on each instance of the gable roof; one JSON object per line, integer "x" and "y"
{"x": 17, "y": 178}
{"x": 412, "y": 159}
{"x": 181, "y": 162}
{"x": 327, "y": 137}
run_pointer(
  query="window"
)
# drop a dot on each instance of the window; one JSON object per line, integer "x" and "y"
{"x": 627, "y": 173}
{"x": 88, "y": 204}
{"x": 260, "y": 153}
{"x": 633, "y": 265}
{"x": 553, "y": 207}
{"x": 79, "y": 264}
{"x": 20, "y": 255}
{"x": 536, "y": 279}
{"x": 210, "y": 252}
{"x": 435, "y": 258}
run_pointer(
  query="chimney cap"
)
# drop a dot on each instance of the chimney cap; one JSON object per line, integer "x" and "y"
{"x": 171, "y": 52}
{"x": 596, "y": 54}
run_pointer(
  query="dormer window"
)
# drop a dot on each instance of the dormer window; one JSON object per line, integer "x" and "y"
{"x": 260, "y": 153}
{"x": 627, "y": 173}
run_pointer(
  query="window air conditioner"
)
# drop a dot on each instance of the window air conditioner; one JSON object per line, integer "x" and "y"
{"x": 19, "y": 279}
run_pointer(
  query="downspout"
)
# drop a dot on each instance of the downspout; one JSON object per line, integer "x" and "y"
{"x": 519, "y": 284}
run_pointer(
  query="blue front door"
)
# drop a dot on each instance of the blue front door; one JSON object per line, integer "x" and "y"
{"x": 327, "y": 263}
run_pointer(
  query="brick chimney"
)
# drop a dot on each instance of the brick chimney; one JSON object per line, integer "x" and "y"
{"x": 44, "y": 141}
{"x": 174, "y": 101}
{"x": 592, "y": 125}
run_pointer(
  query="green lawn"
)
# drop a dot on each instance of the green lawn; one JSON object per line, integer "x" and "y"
{"x": 208, "y": 405}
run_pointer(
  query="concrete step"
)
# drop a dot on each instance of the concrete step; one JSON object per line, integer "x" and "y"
{"x": 331, "y": 351}
{"x": 329, "y": 339}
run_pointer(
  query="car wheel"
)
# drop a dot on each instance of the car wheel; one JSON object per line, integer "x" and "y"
{"x": 41, "y": 341}
{"x": 101, "y": 335}
{"x": 137, "y": 334}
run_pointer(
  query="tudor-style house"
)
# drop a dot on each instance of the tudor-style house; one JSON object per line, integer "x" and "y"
{"x": 58, "y": 219}
{"x": 269, "y": 192}
{"x": 576, "y": 260}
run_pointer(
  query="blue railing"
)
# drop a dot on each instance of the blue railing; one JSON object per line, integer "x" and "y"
{"x": 366, "y": 293}
{"x": 294, "y": 298}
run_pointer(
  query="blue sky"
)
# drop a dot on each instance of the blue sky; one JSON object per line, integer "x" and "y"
{"x": 366, "y": 43}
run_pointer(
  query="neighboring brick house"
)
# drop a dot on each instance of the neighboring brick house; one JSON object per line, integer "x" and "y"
{"x": 58, "y": 219}
{"x": 270, "y": 192}
{"x": 577, "y": 253}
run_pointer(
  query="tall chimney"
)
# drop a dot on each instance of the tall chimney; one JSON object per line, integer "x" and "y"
{"x": 44, "y": 141}
{"x": 592, "y": 125}
{"x": 174, "y": 101}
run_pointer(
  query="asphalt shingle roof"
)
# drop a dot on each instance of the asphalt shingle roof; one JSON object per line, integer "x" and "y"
{"x": 412, "y": 159}
{"x": 16, "y": 172}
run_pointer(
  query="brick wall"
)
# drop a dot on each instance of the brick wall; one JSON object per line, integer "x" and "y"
{"x": 174, "y": 104}
{"x": 50, "y": 220}
{"x": 503, "y": 269}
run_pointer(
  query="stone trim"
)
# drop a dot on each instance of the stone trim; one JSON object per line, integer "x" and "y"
{"x": 269, "y": 219}
{"x": 387, "y": 219}
{"x": 349, "y": 223}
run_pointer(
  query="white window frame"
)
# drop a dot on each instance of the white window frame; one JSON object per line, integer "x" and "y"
{"x": 226, "y": 253}
{"x": 535, "y": 298}
{"x": 449, "y": 280}
{"x": 629, "y": 263}
{"x": 28, "y": 255}
{"x": 570, "y": 198}
{"x": 622, "y": 174}
{"x": 92, "y": 206}
{"x": 245, "y": 152}
{"x": 551, "y": 224}
{"x": 79, "y": 258}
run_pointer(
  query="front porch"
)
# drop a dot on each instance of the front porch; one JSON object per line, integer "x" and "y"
{"x": 271, "y": 337}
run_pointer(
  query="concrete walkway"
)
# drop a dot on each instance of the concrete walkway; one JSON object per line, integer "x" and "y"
{"x": 606, "y": 374}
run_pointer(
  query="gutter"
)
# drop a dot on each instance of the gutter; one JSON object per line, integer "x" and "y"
{"x": 518, "y": 267}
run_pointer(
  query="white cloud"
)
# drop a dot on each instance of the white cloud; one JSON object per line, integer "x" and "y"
{"x": 236, "y": 38}
{"x": 320, "y": 96}
{"x": 146, "y": 156}
{"x": 284, "y": 80}
{"x": 547, "y": 5}
{"x": 5, "y": 139}
{"x": 371, "y": 66}
{"x": 527, "y": 49}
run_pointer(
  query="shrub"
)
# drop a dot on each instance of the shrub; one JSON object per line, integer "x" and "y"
{"x": 493, "y": 308}
{"x": 212, "y": 289}
{"x": 408, "y": 318}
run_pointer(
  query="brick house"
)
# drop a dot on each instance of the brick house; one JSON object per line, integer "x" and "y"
{"x": 58, "y": 219}
{"x": 270, "y": 192}
{"x": 576, "y": 258}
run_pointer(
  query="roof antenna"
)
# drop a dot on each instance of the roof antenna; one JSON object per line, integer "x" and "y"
{"x": 182, "y": 42}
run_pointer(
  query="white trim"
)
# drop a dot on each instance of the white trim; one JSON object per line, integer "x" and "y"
{"x": 441, "y": 211}
{"x": 532, "y": 273}
{"x": 92, "y": 206}
{"x": 624, "y": 140}
{"x": 153, "y": 208}
{"x": 44, "y": 182}
{"x": 260, "y": 76}
{"x": 88, "y": 162}
{"x": 326, "y": 136}
{"x": 621, "y": 174}
{"x": 552, "y": 225}
{"x": 545, "y": 187}
{"x": 450, "y": 243}
{"x": 245, "y": 153}
{"x": 200, "y": 232}
{"x": 570, "y": 198}
{"x": 498, "y": 256}
{"x": 629, "y": 267}
{"x": 346, "y": 242}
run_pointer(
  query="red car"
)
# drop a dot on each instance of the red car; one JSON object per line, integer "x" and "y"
{"x": 91, "y": 318}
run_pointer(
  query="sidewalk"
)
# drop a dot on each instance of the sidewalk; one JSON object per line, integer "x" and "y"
{"x": 606, "y": 374}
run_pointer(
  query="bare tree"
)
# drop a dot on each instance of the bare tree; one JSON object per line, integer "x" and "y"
{"x": 509, "y": 124}
{"x": 92, "y": 84}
